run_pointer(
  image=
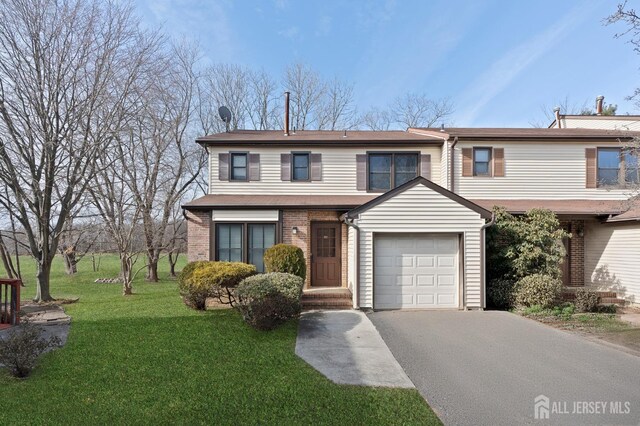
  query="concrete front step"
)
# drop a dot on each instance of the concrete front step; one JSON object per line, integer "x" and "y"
{"x": 327, "y": 298}
{"x": 605, "y": 297}
{"x": 326, "y": 303}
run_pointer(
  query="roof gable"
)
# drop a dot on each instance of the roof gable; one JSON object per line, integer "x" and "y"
{"x": 412, "y": 183}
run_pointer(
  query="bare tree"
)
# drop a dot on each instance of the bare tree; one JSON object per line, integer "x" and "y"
{"x": 631, "y": 20}
{"x": 336, "y": 109}
{"x": 418, "y": 110}
{"x": 263, "y": 104}
{"x": 376, "y": 119}
{"x": 162, "y": 162}
{"x": 117, "y": 206}
{"x": 307, "y": 90}
{"x": 65, "y": 70}
{"x": 228, "y": 85}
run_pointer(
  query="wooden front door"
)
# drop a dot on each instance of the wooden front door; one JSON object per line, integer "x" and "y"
{"x": 326, "y": 251}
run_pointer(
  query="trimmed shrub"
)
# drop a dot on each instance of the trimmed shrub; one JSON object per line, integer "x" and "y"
{"x": 267, "y": 300}
{"x": 500, "y": 292}
{"x": 285, "y": 258}
{"x": 213, "y": 279}
{"x": 537, "y": 289}
{"x": 586, "y": 300}
{"x": 187, "y": 271}
{"x": 20, "y": 349}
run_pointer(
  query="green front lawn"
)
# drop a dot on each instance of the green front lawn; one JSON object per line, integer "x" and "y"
{"x": 147, "y": 358}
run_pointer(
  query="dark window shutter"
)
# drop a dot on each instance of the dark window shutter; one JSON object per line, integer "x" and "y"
{"x": 316, "y": 166}
{"x": 498, "y": 162}
{"x": 254, "y": 167}
{"x": 425, "y": 166}
{"x": 592, "y": 167}
{"x": 223, "y": 166}
{"x": 285, "y": 166}
{"x": 361, "y": 172}
{"x": 467, "y": 162}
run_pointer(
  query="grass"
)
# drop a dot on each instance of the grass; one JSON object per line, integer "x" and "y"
{"x": 148, "y": 359}
{"x": 566, "y": 318}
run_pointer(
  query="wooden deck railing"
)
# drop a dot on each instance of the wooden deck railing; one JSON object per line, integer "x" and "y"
{"x": 9, "y": 301}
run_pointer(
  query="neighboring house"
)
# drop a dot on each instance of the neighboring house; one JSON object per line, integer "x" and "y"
{"x": 399, "y": 218}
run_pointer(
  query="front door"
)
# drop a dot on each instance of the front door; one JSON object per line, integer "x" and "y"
{"x": 326, "y": 241}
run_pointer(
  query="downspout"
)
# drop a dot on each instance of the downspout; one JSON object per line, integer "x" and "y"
{"x": 356, "y": 246}
{"x": 483, "y": 264}
{"x": 451, "y": 164}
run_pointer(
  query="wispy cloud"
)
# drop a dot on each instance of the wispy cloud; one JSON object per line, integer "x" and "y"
{"x": 324, "y": 25}
{"x": 180, "y": 17}
{"x": 290, "y": 33}
{"x": 502, "y": 73}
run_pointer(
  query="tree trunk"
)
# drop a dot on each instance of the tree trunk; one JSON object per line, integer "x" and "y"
{"x": 172, "y": 263}
{"x": 152, "y": 269}
{"x": 70, "y": 262}
{"x": 6, "y": 261}
{"x": 43, "y": 275}
{"x": 126, "y": 273}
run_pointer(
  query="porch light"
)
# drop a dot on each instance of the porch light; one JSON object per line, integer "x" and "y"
{"x": 294, "y": 230}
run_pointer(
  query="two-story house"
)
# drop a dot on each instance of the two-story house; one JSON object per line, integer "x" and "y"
{"x": 399, "y": 217}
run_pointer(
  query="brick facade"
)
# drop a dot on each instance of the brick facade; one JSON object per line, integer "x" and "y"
{"x": 198, "y": 235}
{"x": 301, "y": 219}
{"x": 576, "y": 251}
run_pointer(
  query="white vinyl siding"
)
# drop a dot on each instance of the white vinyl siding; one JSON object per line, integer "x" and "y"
{"x": 549, "y": 170}
{"x": 351, "y": 258}
{"x": 422, "y": 210}
{"x": 338, "y": 170}
{"x": 611, "y": 259}
{"x": 244, "y": 215}
{"x": 619, "y": 123}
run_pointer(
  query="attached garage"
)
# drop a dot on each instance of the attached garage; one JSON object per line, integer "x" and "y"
{"x": 418, "y": 246}
{"x": 415, "y": 271}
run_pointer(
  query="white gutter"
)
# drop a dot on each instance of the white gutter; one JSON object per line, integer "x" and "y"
{"x": 356, "y": 247}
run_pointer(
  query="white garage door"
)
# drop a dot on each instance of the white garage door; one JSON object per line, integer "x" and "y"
{"x": 415, "y": 271}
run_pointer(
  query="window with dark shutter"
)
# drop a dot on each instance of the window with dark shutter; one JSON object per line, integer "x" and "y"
{"x": 239, "y": 167}
{"x": 300, "y": 167}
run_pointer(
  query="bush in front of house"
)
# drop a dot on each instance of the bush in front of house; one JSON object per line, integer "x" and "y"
{"x": 537, "y": 289}
{"x": 267, "y": 300}
{"x": 586, "y": 300}
{"x": 285, "y": 258}
{"x": 212, "y": 279}
{"x": 187, "y": 271}
{"x": 20, "y": 349}
{"x": 500, "y": 292}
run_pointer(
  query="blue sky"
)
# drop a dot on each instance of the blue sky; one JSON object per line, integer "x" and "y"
{"x": 498, "y": 61}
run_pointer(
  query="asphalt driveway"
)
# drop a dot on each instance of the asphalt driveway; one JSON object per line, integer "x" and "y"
{"x": 486, "y": 368}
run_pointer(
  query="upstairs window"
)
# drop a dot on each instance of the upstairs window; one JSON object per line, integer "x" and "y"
{"x": 389, "y": 170}
{"x": 617, "y": 167}
{"x": 482, "y": 161}
{"x": 300, "y": 167}
{"x": 238, "y": 166}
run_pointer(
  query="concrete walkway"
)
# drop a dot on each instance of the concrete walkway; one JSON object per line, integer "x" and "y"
{"x": 347, "y": 348}
{"x": 50, "y": 317}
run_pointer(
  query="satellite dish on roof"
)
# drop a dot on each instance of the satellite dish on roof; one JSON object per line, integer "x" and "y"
{"x": 225, "y": 115}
